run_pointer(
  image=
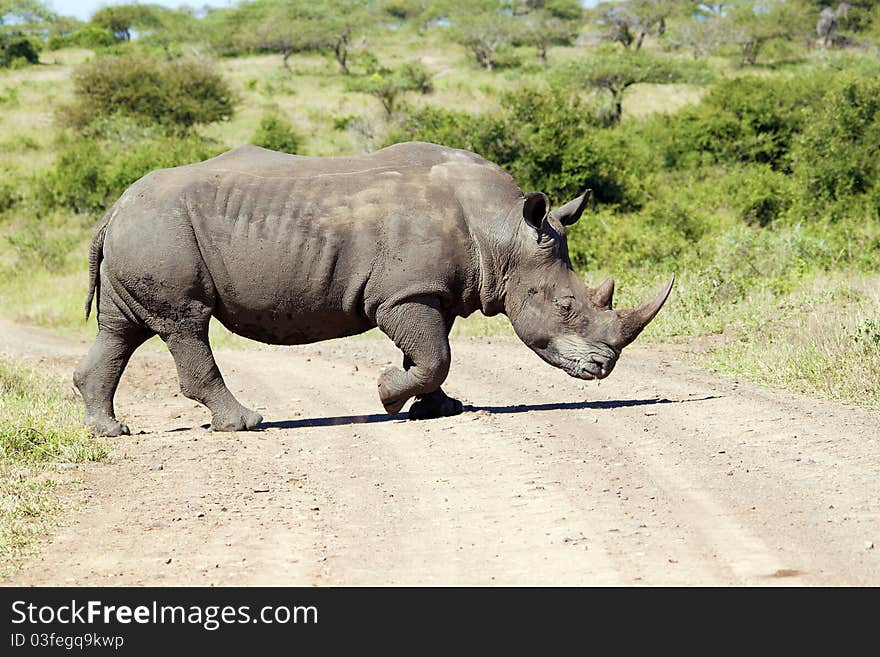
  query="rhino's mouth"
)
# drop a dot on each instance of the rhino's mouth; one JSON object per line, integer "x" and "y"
{"x": 584, "y": 369}
{"x": 587, "y": 365}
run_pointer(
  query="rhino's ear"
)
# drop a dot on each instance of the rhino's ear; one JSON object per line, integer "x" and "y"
{"x": 572, "y": 211}
{"x": 536, "y": 207}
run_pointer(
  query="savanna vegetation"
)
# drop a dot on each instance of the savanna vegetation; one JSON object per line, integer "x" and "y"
{"x": 734, "y": 143}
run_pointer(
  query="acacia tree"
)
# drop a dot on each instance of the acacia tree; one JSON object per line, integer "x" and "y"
{"x": 618, "y": 72}
{"x": 541, "y": 29}
{"x": 22, "y": 24}
{"x": 628, "y": 23}
{"x": 752, "y": 24}
{"x": 829, "y": 21}
{"x": 289, "y": 27}
{"x": 483, "y": 27}
{"x": 389, "y": 85}
{"x": 170, "y": 28}
{"x": 420, "y": 13}
{"x": 24, "y": 14}
{"x": 122, "y": 20}
{"x": 701, "y": 37}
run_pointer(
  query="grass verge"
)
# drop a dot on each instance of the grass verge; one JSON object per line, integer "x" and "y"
{"x": 40, "y": 428}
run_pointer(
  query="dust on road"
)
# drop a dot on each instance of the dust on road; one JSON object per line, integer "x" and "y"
{"x": 663, "y": 474}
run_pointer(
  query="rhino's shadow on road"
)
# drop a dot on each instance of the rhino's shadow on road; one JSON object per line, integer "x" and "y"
{"x": 517, "y": 408}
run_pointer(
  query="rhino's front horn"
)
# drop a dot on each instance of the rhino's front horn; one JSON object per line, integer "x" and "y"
{"x": 631, "y": 322}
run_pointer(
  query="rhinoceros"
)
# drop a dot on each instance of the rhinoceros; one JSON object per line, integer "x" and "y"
{"x": 291, "y": 250}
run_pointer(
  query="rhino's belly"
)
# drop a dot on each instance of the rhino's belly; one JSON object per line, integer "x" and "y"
{"x": 289, "y": 326}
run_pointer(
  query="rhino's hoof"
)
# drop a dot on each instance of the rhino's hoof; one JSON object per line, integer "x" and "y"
{"x": 432, "y": 406}
{"x": 109, "y": 427}
{"x": 390, "y": 387}
{"x": 241, "y": 421}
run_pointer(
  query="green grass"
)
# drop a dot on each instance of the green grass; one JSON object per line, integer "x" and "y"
{"x": 823, "y": 340}
{"x": 40, "y": 427}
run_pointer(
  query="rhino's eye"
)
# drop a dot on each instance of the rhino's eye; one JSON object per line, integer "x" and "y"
{"x": 564, "y": 304}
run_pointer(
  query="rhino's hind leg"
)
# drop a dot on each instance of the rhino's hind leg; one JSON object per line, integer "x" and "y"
{"x": 200, "y": 379}
{"x": 98, "y": 374}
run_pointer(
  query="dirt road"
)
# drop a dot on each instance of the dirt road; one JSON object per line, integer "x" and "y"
{"x": 662, "y": 474}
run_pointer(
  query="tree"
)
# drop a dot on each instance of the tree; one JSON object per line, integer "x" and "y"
{"x": 389, "y": 85}
{"x": 567, "y": 10}
{"x": 23, "y": 13}
{"x": 289, "y": 27}
{"x": 701, "y": 37}
{"x": 751, "y": 24}
{"x": 483, "y": 27}
{"x": 420, "y": 13}
{"x": 169, "y": 28}
{"x": 630, "y": 22}
{"x": 22, "y": 25}
{"x": 829, "y": 20}
{"x": 123, "y": 19}
{"x": 617, "y": 73}
{"x": 542, "y": 29}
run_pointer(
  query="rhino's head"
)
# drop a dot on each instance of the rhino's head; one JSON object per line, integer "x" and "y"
{"x": 568, "y": 324}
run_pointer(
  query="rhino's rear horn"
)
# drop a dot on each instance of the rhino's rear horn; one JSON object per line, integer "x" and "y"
{"x": 603, "y": 295}
{"x": 634, "y": 320}
{"x": 572, "y": 211}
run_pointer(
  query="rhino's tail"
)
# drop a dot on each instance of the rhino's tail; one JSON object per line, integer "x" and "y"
{"x": 96, "y": 254}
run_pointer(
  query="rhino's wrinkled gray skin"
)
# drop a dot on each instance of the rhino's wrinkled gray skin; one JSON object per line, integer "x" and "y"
{"x": 291, "y": 250}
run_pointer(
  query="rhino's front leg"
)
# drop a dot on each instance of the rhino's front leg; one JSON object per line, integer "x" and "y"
{"x": 434, "y": 404}
{"x": 420, "y": 330}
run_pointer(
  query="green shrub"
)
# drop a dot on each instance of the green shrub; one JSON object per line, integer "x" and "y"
{"x": 418, "y": 77}
{"x": 546, "y": 139}
{"x": 17, "y": 47}
{"x": 743, "y": 120}
{"x": 759, "y": 194}
{"x": 277, "y": 134}
{"x": 33, "y": 247}
{"x": 9, "y": 96}
{"x": 90, "y": 36}
{"x": 835, "y": 159}
{"x": 10, "y": 193}
{"x": 92, "y": 171}
{"x": 174, "y": 94}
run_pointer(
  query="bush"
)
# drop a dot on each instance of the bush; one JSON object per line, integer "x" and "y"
{"x": 174, "y": 94}
{"x": 90, "y": 36}
{"x": 759, "y": 194}
{"x": 744, "y": 120}
{"x": 835, "y": 158}
{"x": 91, "y": 172}
{"x": 34, "y": 247}
{"x": 418, "y": 77}
{"x": 17, "y": 47}
{"x": 9, "y": 195}
{"x": 545, "y": 138}
{"x": 277, "y": 134}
